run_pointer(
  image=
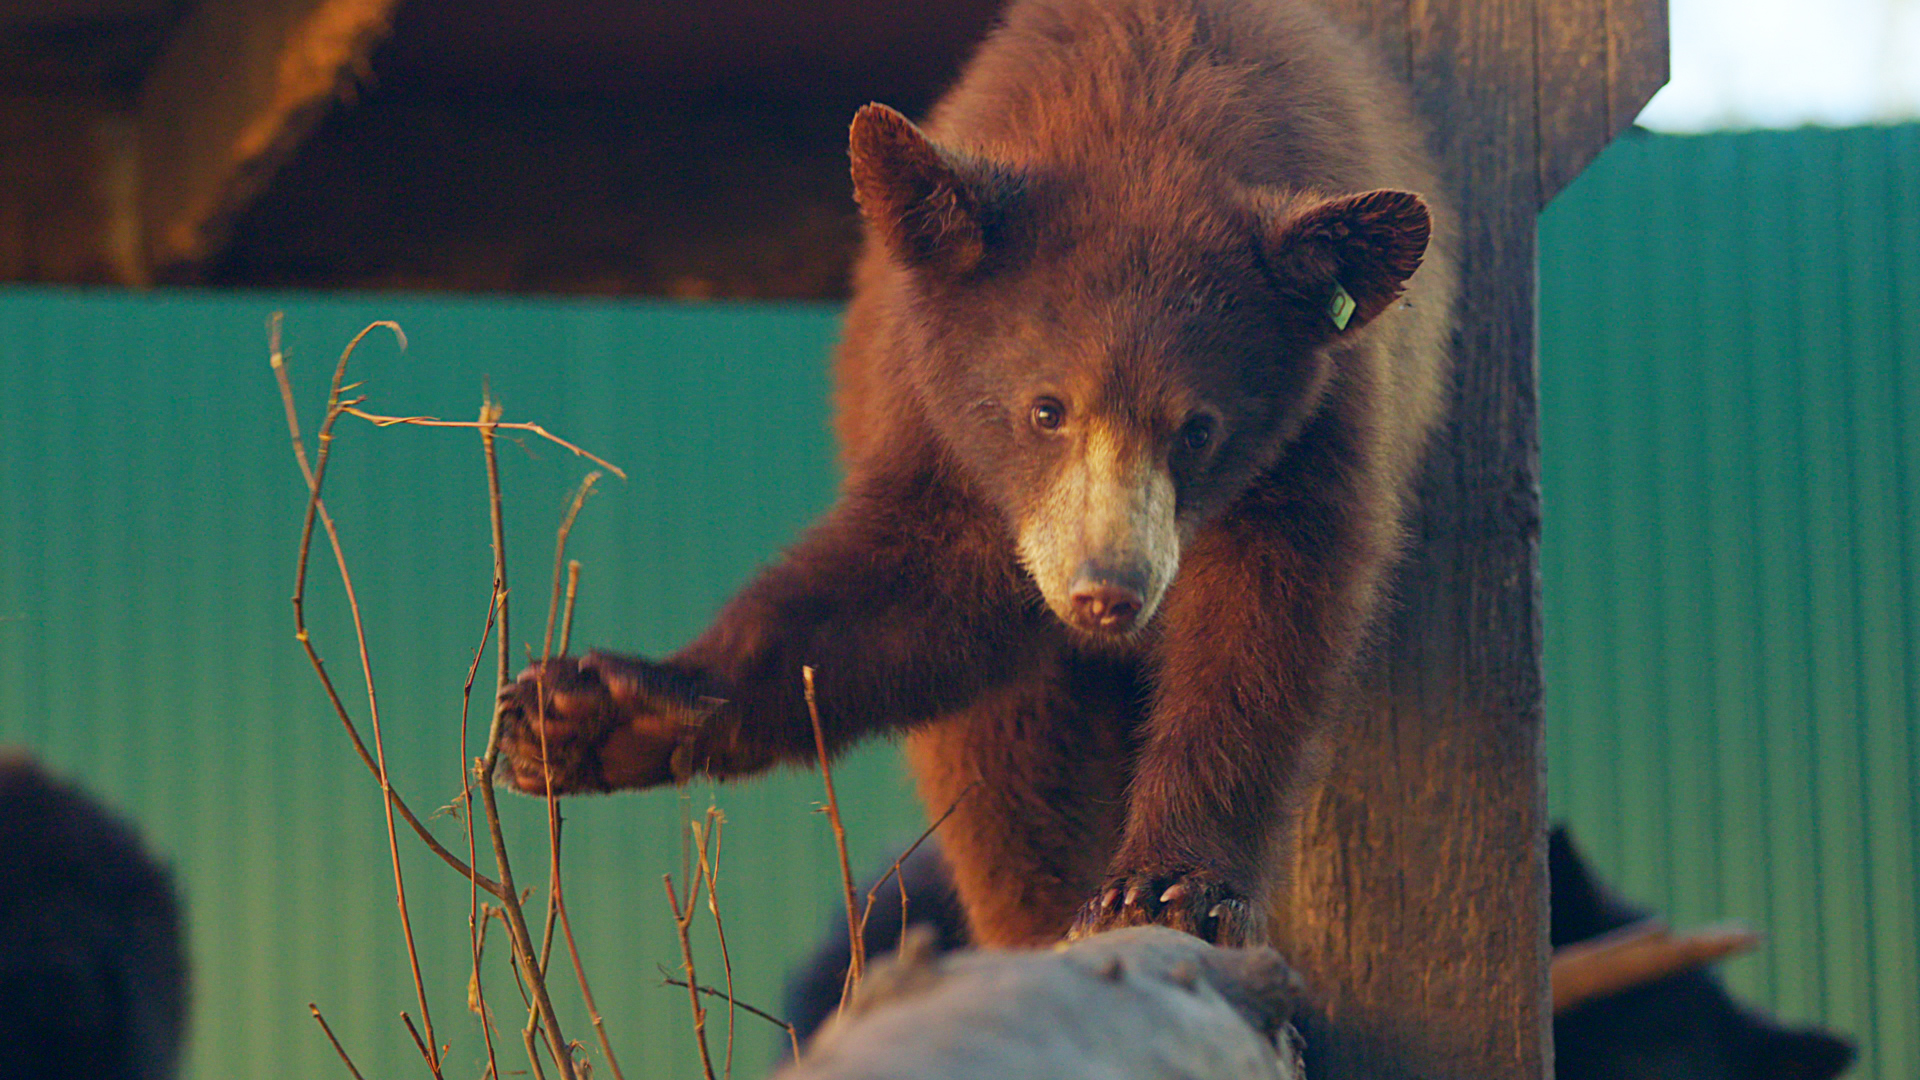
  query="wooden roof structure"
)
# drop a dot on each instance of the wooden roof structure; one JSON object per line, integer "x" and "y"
{"x": 698, "y": 150}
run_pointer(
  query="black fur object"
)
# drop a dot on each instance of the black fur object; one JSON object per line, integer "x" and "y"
{"x": 93, "y": 970}
{"x": 1685, "y": 1027}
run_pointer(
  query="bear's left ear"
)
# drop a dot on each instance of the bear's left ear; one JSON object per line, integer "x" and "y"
{"x": 1350, "y": 256}
{"x": 932, "y": 207}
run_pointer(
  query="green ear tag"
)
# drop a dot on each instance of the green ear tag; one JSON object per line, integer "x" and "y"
{"x": 1340, "y": 308}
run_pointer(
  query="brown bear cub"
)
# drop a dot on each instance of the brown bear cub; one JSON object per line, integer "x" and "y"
{"x": 1145, "y": 345}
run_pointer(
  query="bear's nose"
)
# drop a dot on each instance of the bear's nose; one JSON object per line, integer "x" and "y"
{"x": 1104, "y": 601}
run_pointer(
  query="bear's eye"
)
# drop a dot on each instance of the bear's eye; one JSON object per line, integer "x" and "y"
{"x": 1197, "y": 433}
{"x": 1048, "y": 414}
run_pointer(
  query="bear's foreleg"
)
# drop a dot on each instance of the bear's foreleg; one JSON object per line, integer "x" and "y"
{"x": 1035, "y": 776}
{"x": 1258, "y": 635}
{"x": 905, "y": 599}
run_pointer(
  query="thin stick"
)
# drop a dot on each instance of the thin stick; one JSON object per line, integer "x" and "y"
{"x": 513, "y": 959}
{"x": 559, "y": 555}
{"x": 476, "y": 921}
{"x": 337, "y": 1048}
{"x": 554, "y": 824}
{"x": 546, "y": 653}
{"x": 866, "y": 911}
{"x": 793, "y": 1033}
{"x": 573, "y": 593}
{"x": 681, "y": 923}
{"x": 533, "y": 1054}
{"x": 559, "y": 898}
{"x": 710, "y": 871}
{"x": 509, "y": 895}
{"x": 324, "y": 448}
{"x": 496, "y": 425}
{"x": 857, "y": 950}
{"x": 586, "y": 993}
{"x": 316, "y": 507}
{"x": 415, "y": 1032}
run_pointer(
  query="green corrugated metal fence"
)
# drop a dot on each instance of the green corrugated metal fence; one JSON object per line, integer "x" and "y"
{"x": 1730, "y": 384}
{"x": 149, "y": 511}
{"x": 1732, "y": 431}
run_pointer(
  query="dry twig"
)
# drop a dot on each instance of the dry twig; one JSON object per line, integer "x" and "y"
{"x": 710, "y": 873}
{"x": 476, "y": 911}
{"x": 793, "y": 1034}
{"x": 351, "y": 409}
{"x": 415, "y": 1032}
{"x": 337, "y": 1048}
{"x": 893, "y": 871}
{"x": 529, "y": 970}
{"x": 315, "y": 475}
{"x": 682, "y": 922}
{"x": 857, "y": 946}
{"x": 509, "y": 895}
{"x": 314, "y": 472}
{"x": 573, "y": 593}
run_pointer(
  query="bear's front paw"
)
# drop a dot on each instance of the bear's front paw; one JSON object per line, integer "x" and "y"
{"x": 1194, "y": 902}
{"x": 596, "y": 723}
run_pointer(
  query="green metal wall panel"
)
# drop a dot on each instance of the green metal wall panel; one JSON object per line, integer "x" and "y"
{"x": 1729, "y": 340}
{"x": 1730, "y": 383}
{"x": 149, "y": 510}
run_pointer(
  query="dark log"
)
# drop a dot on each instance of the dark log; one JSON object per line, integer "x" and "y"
{"x": 1141, "y": 1004}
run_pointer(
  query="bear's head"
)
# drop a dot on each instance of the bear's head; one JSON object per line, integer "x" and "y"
{"x": 1112, "y": 349}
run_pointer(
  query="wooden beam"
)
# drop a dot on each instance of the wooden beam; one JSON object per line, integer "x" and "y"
{"x": 1417, "y": 906}
{"x": 238, "y": 88}
{"x": 1600, "y": 62}
{"x": 67, "y": 168}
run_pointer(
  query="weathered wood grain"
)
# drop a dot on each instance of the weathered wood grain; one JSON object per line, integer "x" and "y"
{"x": 67, "y": 168}
{"x": 1417, "y": 910}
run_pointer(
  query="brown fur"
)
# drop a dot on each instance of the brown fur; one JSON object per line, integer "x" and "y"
{"x": 1135, "y": 211}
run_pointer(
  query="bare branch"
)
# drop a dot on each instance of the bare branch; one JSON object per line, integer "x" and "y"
{"x": 315, "y": 475}
{"x": 559, "y": 556}
{"x": 424, "y": 1052}
{"x": 893, "y": 871}
{"x": 857, "y": 946}
{"x": 710, "y": 872}
{"x": 573, "y": 593}
{"x": 476, "y": 912}
{"x": 521, "y": 940}
{"x": 586, "y": 993}
{"x": 793, "y": 1034}
{"x": 337, "y": 1048}
{"x": 681, "y": 924}
{"x": 317, "y": 509}
{"x": 497, "y": 425}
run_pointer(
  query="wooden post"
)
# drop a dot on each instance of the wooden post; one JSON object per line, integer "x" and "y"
{"x": 1417, "y": 910}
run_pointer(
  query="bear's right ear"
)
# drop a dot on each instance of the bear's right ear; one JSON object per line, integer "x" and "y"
{"x": 928, "y": 204}
{"x": 1350, "y": 256}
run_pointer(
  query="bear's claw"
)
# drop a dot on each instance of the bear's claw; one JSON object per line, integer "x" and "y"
{"x": 1196, "y": 904}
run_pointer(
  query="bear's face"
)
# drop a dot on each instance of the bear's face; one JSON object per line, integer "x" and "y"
{"x": 1113, "y": 392}
{"x": 1113, "y": 359}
